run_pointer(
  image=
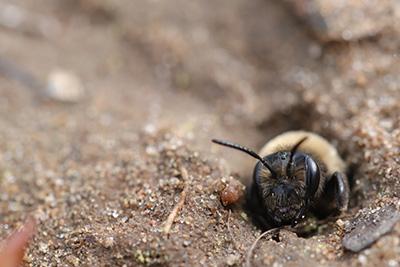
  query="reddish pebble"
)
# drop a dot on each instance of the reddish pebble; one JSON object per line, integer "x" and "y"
{"x": 232, "y": 192}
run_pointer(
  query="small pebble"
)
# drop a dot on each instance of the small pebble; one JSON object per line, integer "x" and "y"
{"x": 232, "y": 259}
{"x": 73, "y": 260}
{"x": 109, "y": 242}
{"x": 340, "y": 223}
{"x": 362, "y": 259}
{"x": 232, "y": 192}
{"x": 64, "y": 86}
{"x": 151, "y": 150}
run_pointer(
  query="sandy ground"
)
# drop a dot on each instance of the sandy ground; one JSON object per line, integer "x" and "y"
{"x": 101, "y": 175}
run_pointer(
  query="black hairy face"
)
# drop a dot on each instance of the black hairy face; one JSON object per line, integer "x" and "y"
{"x": 284, "y": 202}
{"x": 283, "y": 194}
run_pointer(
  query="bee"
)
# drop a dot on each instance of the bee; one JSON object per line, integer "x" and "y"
{"x": 297, "y": 171}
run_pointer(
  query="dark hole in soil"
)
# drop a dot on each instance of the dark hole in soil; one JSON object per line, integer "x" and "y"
{"x": 276, "y": 237}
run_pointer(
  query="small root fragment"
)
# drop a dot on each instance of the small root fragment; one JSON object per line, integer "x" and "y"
{"x": 171, "y": 218}
{"x": 253, "y": 246}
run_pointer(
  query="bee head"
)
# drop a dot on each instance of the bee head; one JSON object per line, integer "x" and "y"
{"x": 283, "y": 198}
{"x": 286, "y": 182}
{"x": 287, "y": 191}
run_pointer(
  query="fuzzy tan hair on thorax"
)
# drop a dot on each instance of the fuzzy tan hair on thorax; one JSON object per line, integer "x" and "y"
{"x": 315, "y": 145}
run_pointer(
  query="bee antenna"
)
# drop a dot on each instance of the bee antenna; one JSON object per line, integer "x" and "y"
{"x": 245, "y": 150}
{"x": 292, "y": 152}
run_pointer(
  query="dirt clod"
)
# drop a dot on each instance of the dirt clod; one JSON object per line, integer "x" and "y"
{"x": 232, "y": 192}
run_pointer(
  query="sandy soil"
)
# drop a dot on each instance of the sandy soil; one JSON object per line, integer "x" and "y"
{"x": 162, "y": 78}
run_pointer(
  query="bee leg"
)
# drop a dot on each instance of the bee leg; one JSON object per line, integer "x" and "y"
{"x": 341, "y": 190}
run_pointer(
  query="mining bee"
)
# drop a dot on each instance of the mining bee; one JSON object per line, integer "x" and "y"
{"x": 297, "y": 171}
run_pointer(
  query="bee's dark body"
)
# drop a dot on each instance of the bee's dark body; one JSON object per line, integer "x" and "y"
{"x": 295, "y": 175}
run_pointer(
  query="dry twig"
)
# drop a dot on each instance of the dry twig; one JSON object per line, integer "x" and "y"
{"x": 179, "y": 205}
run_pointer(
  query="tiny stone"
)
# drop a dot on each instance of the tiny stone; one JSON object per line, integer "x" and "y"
{"x": 12, "y": 16}
{"x": 362, "y": 259}
{"x": 115, "y": 214}
{"x": 150, "y": 129}
{"x": 340, "y": 223}
{"x": 64, "y": 86}
{"x": 43, "y": 247}
{"x": 232, "y": 192}
{"x": 151, "y": 150}
{"x": 73, "y": 260}
{"x": 109, "y": 242}
{"x": 232, "y": 259}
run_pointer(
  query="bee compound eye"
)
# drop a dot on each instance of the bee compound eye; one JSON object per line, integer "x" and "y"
{"x": 312, "y": 176}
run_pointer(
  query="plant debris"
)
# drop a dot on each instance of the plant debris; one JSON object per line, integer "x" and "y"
{"x": 12, "y": 250}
